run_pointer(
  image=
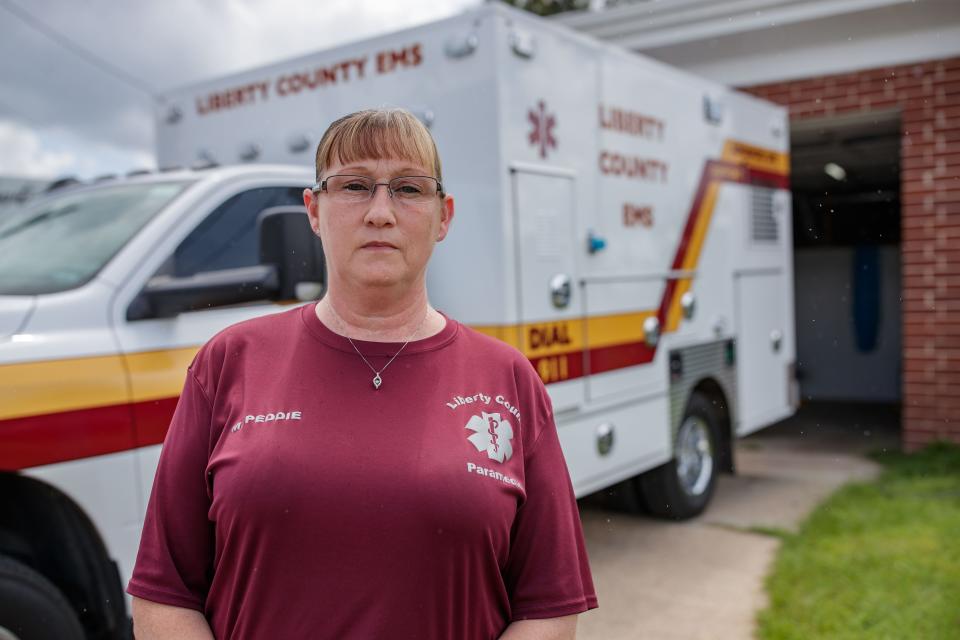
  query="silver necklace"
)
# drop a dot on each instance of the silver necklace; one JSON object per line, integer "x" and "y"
{"x": 377, "y": 380}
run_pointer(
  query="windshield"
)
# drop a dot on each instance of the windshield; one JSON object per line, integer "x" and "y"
{"x": 61, "y": 242}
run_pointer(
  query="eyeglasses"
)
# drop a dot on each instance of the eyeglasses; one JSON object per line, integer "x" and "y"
{"x": 411, "y": 191}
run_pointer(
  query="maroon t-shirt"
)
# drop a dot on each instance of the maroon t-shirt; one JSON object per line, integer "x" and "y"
{"x": 292, "y": 500}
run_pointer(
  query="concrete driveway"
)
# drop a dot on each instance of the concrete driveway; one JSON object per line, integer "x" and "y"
{"x": 703, "y": 578}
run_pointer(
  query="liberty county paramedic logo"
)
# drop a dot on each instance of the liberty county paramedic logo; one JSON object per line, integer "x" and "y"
{"x": 541, "y": 132}
{"x": 491, "y": 434}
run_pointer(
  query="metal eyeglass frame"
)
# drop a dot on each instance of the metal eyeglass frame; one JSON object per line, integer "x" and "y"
{"x": 322, "y": 185}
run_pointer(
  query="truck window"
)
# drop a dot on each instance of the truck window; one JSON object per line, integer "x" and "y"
{"x": 227, "y": 238}
{"x": 62, "y": 241}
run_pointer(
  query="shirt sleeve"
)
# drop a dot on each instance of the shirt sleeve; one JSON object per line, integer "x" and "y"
{"x": 547, "y": 572}
{"x": 175, "y": 560}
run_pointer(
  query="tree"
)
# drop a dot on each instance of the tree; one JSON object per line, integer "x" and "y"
{"x": 549, "y": 7}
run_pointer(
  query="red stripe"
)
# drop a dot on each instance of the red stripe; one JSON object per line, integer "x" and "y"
{"x": 72, "y": 435}
{"x": 153, "y": 419}
{"x": 620, "y": 356}
{"x": 67, "y": 435}
{"x": 600, "y": 359}
{"x": 681, "y": 252}
{"x": 713, "y": 170}
{"x": 768, "y": 179}
{"x": 82, "y": 433}
{"x": 693, "y": 214}
{"x": 551, "y": 366}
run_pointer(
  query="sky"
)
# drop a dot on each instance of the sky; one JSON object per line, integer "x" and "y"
{"x": 61, "y": 114}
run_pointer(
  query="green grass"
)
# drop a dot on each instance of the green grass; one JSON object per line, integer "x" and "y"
{"x": 875, "y": 561}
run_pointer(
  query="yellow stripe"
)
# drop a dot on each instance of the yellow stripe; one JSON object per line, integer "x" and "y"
{"x": 700, "y": 228}
{"x": 538, "y": 339}
{"x": 52, "y": 386}
{"x": 692, "y": 257}
{"x": 738, "y": 153}
{"x": 37, "y": 388}
{"x": 673, "y": 311}
{"x": 159, "y": 374}
{"x": 610, "y": 330}
{"x": 508, "y": 334}
{"x": 756, "y": 157}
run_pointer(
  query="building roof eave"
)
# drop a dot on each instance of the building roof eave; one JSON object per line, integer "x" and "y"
{"x": 646, "y": 25}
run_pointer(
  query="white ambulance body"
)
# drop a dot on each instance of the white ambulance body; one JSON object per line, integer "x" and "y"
{"x": 625, "y": 225}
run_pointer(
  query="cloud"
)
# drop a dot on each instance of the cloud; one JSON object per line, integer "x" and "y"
{"x": 23, "y": 156}
{"x": 98, "y": 120}
{"x": 52, "y": 152}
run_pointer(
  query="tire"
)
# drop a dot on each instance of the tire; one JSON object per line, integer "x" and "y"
{"x": 682, "y": 488}
{"x": 32, "y": 608}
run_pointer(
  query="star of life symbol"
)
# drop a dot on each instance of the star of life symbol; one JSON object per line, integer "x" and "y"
{"x": 491, "y": 434}
{"x": 541, "y": 132}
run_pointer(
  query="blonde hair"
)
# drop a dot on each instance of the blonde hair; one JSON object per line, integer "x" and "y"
{"x": 376, "y": 134}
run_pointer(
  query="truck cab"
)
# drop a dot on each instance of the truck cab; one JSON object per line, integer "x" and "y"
{"x": 106, "y": 292}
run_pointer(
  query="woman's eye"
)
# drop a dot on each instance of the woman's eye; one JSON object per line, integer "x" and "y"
{"x": 408, "y": 188}
{"x": 356, "y": 186}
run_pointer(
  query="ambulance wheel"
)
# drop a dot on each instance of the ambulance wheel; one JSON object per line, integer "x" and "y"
{"x": 32, "y": 608}
{"x": 681, "y": 488}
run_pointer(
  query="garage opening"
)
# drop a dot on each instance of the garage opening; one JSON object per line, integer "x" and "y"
{"x": 846, "y": 211}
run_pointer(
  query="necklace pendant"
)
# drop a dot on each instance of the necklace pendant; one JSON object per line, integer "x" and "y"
{"x": 377, "y": 381}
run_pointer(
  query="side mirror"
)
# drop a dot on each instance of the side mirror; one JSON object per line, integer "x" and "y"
{"x": 166, "y": 296}
{"x": 288, "y": 243}
{"x": 291, "y": 268}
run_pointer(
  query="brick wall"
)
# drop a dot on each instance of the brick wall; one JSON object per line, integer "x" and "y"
{"x": 928, "y": 97}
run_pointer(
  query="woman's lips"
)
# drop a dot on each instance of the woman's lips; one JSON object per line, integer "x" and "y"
{"x": 379, "y": 246}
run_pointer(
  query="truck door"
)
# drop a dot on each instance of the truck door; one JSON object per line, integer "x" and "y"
{"x": 158, "y": 349}
{"x": 549, "y": 300}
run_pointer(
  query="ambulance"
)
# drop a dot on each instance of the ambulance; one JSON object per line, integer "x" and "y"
{"x": 625, "y": 225}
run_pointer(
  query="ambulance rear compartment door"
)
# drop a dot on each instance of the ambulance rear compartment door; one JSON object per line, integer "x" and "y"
{"x": 549, "y": 300}
{"x": 762, "y": 353}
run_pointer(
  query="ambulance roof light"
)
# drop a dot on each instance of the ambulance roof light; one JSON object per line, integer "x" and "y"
{"x": 250, "y": 152}
{"x": 205, "y": 157}
{"x": 461, "y": 46}
{"x": 60, "y": 183}
{"x": 298, "y": 143}
{"x": 523, "y": 43}
{"x": 174, "y": 115}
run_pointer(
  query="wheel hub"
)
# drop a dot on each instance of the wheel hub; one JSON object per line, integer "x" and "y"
{"x": 694, "y": 455}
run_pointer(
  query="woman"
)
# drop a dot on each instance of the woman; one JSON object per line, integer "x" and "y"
{"x": 321, "y": 478}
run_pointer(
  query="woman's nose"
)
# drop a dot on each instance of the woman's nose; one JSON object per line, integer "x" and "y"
{"x": 380, "y": 212}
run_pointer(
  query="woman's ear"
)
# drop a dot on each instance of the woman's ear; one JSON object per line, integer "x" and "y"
{"x": 446, "y": 216}
{"x": 310, "y": 203}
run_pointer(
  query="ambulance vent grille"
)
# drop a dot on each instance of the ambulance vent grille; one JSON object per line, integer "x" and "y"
{"x": 764, "y": 225}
